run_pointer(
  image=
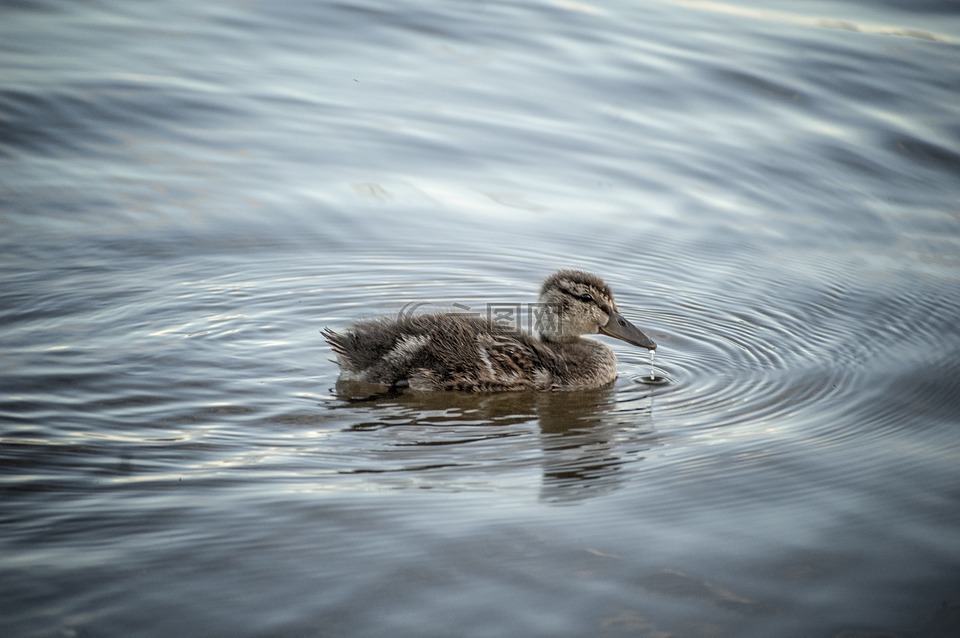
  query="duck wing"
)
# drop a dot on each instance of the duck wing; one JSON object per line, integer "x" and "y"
{"x": 511, "y": 362}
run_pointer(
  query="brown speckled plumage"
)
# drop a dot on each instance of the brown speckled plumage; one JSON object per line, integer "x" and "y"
{"x": 457, "y": 351}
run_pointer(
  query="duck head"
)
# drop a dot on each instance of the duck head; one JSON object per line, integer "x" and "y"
{"x": 575, "y": 303}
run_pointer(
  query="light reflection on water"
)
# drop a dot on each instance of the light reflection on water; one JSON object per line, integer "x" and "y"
{"x": 771, "y": 194}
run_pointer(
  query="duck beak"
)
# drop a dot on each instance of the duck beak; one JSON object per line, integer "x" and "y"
{"x": 620, "y": 328}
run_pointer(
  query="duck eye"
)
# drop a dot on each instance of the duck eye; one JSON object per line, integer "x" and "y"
{"x": 586, "y": 297}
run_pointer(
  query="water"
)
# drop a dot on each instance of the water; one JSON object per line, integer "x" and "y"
{"x": 190, "y": 192}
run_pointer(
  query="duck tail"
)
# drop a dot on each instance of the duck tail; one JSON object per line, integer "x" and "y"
{"x": 337, "y": 342}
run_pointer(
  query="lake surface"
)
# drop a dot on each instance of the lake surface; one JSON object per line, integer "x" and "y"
{"x": 190, "y": 192}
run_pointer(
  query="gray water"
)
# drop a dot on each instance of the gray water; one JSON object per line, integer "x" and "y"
{"x": 191, "y": 191}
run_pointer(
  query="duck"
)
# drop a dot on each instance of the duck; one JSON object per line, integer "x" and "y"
{"x": 460, "y": 351}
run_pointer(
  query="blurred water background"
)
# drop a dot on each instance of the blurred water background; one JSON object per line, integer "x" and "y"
{"x": 191, "y": 191}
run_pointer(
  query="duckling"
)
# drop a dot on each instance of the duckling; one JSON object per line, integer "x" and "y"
{"x": 467, "y": 352}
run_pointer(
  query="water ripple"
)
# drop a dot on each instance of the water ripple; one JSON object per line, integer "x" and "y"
{"x": 95, "y": 115}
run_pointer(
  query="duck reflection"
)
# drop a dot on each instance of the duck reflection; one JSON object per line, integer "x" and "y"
{"x": 586, "y": 439}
